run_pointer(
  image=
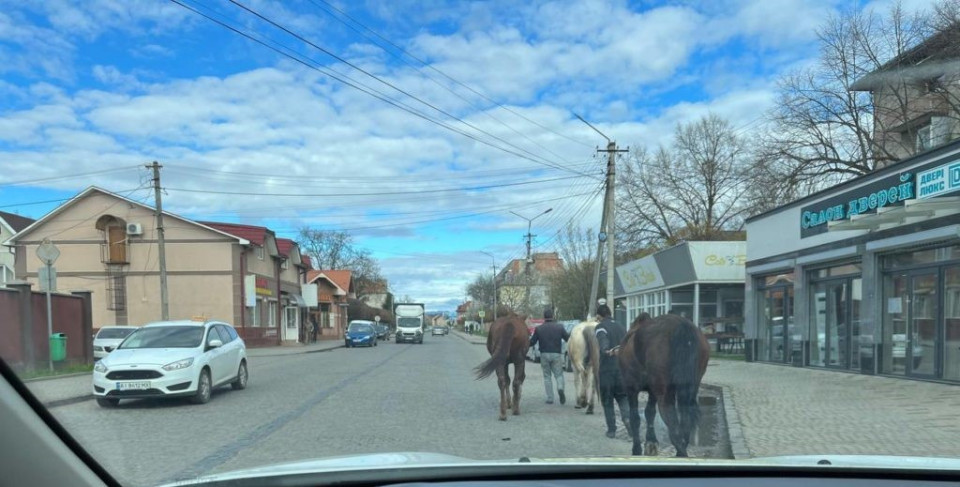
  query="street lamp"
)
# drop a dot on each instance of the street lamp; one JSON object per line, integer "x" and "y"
{"x": 494, "y": 261}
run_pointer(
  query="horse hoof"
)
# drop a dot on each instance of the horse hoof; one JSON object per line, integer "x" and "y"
{"x": 590, "y": 410}
{"x": 650, "y": 449}
{"x": 516, "y": 413}
{"x": 637, "y": 450}
{"x": 503, "y": 418}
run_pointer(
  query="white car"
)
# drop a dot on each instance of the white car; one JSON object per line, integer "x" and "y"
{"x": 172, "y": 359}
{"x": 108, "y": 338}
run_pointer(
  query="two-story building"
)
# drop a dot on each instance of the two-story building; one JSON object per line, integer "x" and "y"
{"x": 10, "y": 224}
{"x": 865, "y": 276}
{"x": 333, "y": 292}
{"x": 109, "y": 245}
{"x": 522, "y": 284}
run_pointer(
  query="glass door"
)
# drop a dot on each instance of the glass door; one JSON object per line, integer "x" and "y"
{"x": 923, "y": 328}
{"x": 836, "y": 319}
{"x": 951, "y": 323}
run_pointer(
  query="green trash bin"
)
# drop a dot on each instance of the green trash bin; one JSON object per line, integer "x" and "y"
{"x": 58, "y": 347}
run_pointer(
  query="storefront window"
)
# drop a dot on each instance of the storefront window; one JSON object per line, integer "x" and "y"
{"x": 920, "y": 257}
{"x": 951, "y": 323}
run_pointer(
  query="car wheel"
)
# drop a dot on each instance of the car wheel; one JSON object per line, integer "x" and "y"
{"x": 375, "y": 344}
{"x": 204, "y": 388}
{"x": 241, "y": 382}
{"x": 107, "y": 402}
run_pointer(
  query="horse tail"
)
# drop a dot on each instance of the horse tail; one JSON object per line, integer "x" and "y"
{"x": 685, "y": 374}
{"x": 501, "y": 351}
{"x": 593, "y": 346}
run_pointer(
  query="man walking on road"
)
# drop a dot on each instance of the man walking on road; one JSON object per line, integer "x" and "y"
{"x": 609, "y": 335}
{"x": 549, "y": 336}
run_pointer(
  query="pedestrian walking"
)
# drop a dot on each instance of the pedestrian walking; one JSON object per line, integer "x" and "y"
{"x": 550, "y": 335}
{"x": 609, "y": 335}
{"x": 315, "y": 329}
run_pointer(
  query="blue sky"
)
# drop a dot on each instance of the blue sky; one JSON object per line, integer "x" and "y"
{"x": 112, "y": 85}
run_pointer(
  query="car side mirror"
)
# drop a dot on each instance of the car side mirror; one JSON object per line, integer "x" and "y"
{"x": 215, "y": 343}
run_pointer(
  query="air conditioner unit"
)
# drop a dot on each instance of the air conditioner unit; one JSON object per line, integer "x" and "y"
{"x": 134, "y": 229}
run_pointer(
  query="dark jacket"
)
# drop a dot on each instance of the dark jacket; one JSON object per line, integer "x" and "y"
{"x": 549, "y": 335}
{"x": 609, "y": 335}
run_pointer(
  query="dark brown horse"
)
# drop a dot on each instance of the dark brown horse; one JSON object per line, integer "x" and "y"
{"x": 507, "y": 343}
{"x": 665, "y": 356}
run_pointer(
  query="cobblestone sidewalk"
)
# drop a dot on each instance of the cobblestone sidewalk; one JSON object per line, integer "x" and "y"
{"x": 789, "y": 411}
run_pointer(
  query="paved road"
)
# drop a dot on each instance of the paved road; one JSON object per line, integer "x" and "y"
{"x": 346, "y": 401}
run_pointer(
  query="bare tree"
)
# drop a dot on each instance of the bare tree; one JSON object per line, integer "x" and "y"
{"x": 857, "y": 108}
{"x": 331, "y": 249}
{"x": 694, "y": 189}
{"x": 570, "y": 286}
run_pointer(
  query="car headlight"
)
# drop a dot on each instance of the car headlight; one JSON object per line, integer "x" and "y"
{"x": 179, "y": 364}
{"x": 99, "y": 367}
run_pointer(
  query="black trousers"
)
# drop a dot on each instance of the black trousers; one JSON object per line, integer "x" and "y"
{"x": 611, "y": 389}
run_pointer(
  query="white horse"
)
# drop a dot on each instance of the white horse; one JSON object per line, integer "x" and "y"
{"x": 583, "y": 351}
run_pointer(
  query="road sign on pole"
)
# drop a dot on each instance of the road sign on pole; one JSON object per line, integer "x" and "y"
{"x": 48, "y": 254}
{"x": 376, "y": 318}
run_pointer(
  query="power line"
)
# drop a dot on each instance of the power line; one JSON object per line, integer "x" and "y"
{"x": 391, "y": 85}
{"x": 66, "y": 176}
{"x": 375, "y": 214}
{"x": 301, "y": 180}
{"x": 457, "y": 216}
{"x": 431, "y": 78}
{"x": 330, "y": 195}
{"x": 445, "y": 75}
{"x": 356, "y": 85}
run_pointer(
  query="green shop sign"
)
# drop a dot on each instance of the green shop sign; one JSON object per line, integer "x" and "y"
{"x": 889, "y": 191}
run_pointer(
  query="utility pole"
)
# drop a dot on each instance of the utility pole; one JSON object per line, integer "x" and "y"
{"x": 529, "y": 236}
{"x": 611, "y": 224}
{"x": 595, "y": 287}
{"x": 607, "y": 224}
{"x": 158, "y": 199}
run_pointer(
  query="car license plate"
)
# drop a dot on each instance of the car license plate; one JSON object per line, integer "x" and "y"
{"x": 132, "y": 386}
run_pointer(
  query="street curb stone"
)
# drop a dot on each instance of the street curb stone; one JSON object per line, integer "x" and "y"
{"x": 52, "y": 377}
{"x": 738, "y": 445}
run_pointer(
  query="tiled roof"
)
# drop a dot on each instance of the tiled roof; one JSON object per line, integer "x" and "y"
{"x": 284, "y": 245}
{"x": 313, "y": 274}
{"x": 16, "y": 222}
{"x": 341, "y": 277}
{"x": 307, "y": 261}
{"x": 254, "y": 234}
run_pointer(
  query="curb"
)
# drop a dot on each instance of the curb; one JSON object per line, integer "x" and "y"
{"x": 54, "y": 377}
{"x": 296, "y": 353}
{"x": 468, "y": 340}
{"x": 738, "y": 445}
{"x": 68, "y": 401}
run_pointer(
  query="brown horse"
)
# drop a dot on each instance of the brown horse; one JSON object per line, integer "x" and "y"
{"x": 507, "y": 342}
{"x": 665, "y": 356}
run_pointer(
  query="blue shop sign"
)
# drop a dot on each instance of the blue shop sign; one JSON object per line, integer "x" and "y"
{"x": 889, "y": 191}
{"x": 938, "y": 181}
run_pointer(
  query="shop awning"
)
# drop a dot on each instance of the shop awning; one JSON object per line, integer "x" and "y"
{"x": 296, "y": 299}
{"x": 889, "y": 217}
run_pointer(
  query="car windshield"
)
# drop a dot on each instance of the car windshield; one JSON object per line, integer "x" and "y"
{"x": 768, "y": 191}
{"x": 408, "y": 322}
{"x": 165, "y": 337}
{"x": 114, "y": 332}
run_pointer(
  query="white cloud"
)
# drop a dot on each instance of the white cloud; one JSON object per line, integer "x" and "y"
{"x": 545, "y": 62}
